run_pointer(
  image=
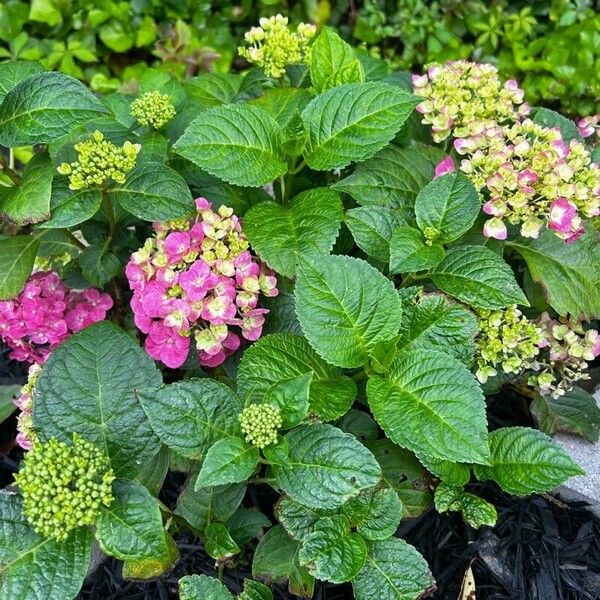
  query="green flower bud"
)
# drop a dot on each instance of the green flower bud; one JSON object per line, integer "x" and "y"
{"x": 64, "y": 485}
{"x": 153, "y": 109}
{"x": 260, "y": 423}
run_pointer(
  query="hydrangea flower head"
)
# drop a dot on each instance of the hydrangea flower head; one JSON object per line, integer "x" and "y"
{"x": 589, "y": 127}
{"x": 463, "y": 99}
{"x": 98, "y": 161}
{"x": 153, "y": 109}
{"x": 273, "y": 45}
{"x": 64, "y": 485}
{"x": 260, "y": 423}
{"x": 196, "y": 280}
{"x": 45, "y": 313}
{"x": 506, "y": 340}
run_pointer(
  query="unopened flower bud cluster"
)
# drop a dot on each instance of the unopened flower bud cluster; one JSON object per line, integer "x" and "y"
{"x": 153, "y": 109}
{"x": 273, "y": 45}
{"x": 99, "y": 161}
{"x": 566, "y": 350}
{"x": 26, "y": 436}
{"x": 64, "y": 486}
{"x": 527, "y": 174}
{"x": 506, "y": 340}
{"x": 196, "y": 279}
{"x": 260, "y": 423}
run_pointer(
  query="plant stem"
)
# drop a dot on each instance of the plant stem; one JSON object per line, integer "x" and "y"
{"x": 221, "y": 572}
{"x": 14, "y": 177}
{"x": 11, "y": 159}
{"x": 360, "y": 375}
{"x": 110, "y": 215}
{"x": 282, "y": 189}
{"x": 267, "y": 480}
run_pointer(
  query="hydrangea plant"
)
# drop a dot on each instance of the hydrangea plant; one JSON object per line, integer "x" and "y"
{"x": 287, "y": 278}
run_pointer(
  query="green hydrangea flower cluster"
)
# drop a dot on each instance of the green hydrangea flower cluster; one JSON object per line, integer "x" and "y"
{"x": 99, "y": 160}
{"x": 260, "y": 423}
{"x": 567, "y": 349}
{"x": 64, "y": 485}
{"x": 273, "y": 46}
{"x": 153, "y": 109}
{"x": 506, "y": 339}
{"x": 463, "y": 99}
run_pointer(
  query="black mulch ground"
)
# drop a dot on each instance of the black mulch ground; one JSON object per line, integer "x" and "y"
{"x": 541, "y": 549}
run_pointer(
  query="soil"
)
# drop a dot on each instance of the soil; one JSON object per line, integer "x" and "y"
{"x": 541, "y": 549}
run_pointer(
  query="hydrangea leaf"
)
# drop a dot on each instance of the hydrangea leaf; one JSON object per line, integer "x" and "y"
{"x": 283, "y": 356}
{"x": 568, "y": 273}
{"x": 154, "y": 566}
{"x": 281, "y": 234}
{"x": 154, "y": 192}
{"x": 284, "y": 104}
{"x": 352, "y": 122}
{"x": 409, "y": 252}
{"x": 255, "y": 590}
{"x": 393, "y": 177}
{"x": 331, "y": 552}
{"x": 526, "y": 461}
{"x": 479, "y": 277}
{"x": 574, "y": 412}
{"x": 345, "y": 307}
{"x": 431, "y": 403}
{"x": 372, "y": 229}
{"x": 131, "y": 527}
{"x": 247, "y": 524}
{"x": 190, "y": 416}
{"x": 229, "y": 460}
{"x": 239, "y": 143}
{"x": 292, "y": 398}
{"x": 17, "y": 256}
{"x": 435, "y": 322}
{"x": 394, "y": 570}
{"x": 476, "y": 511}
{"x": 194, "y": 587}
{"x": 333, "y": 62}
{"x": 376, "y": 513}
{"x": 218, "y": 543}
{"x": 359, "y": 424}
{"x": 447, "y": 207}
{"x": 454, "y": 473}
{"x": 298, "y": 520}
{"x": 44, "y": 107}
{"x": 199, "y": 507}
{"x": 98, "y": 266}
{"x": 87, "y": 387}
{"x": 69, "y": 207}
{"x": 323, "y": 467}
{"x": 213, "y": 89}
{"x": 29, "y": 202}
{"x": 15, "y": 71}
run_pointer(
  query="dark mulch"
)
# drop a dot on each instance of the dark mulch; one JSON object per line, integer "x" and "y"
{"x": 541, "y": 549}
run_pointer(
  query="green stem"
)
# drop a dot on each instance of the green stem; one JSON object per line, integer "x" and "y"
{"x": 282, "y": 189}
{"x": 73, "y": 239}
{"x": 296, "y": 169}
{"x": 221, "y": 572}
{"x": 14, "y": 177}
{"x": 360, "y": 375}
{"x": 11, "y": 159}
{"x": 267, "y": 480}
{"x": 110, "y": 215}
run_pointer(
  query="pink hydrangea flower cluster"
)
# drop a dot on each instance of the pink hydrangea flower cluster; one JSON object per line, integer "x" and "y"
{"x": 45, "y": 313}
{"x": 463, "y": 98}
{"x": 195, "y": 278}
{"x": 589, "y": 127}
{"x": 26, "y": 436}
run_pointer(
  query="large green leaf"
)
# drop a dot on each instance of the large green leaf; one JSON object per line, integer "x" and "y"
{"x": 351, "y": 122}
{"x": 98, "y": 266}
{"x": 477, "y": 276}
{"x": 375, "y": 513}
{"x": 454, "y": 473}
{"x": 190, "y": 416}
{"x": 131, "y": 527}
{"x": 213, "y": 89}
{"x": 154, "y": 192}
{"x": 239, "y": 143}
{"x": 526, "y": 461}
{"x": 574, "y": 412}
{"x": 229, "y": 460}
{"x": 333, "y": 62}
{"x": 29, "y": 202}
{"x": 275, "y": 555}
{"x": 218, "y": 543}
{"x": 283, "y": 357}
{"x": 68, "y": 207}
{"x": 394, "y": 570}
{"x": 202, "y": 587}
{"x": 292, "y": 398}
{"x": 17, "y": 256}
{"x": 37, "y": 568}
{"x": 372, "y": 229}
{"x": 281, "y": 234}
{"x": 331, "y": 552}
{"x": 44, "y": 107}
{"x": 320, "y": 466}
{"x": 568, "y": 273}
{"x": 393, "y": 177}
{"x": 447, "y": 207}
{"x": 345, "y": 307}
{"x": 431, "y": 403}
{"x": 7, "y": 395}
{"x": 476, "y": 511}
{"x": 409, "y": 251}
{"x": 13, "y": 72}
{"x": 436, "y": 323}
{"x": 298, "y": 520}
{"x": 284, "y": 104}
{"x": 247, "y": 524}
{"x": 87, "y": 386}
